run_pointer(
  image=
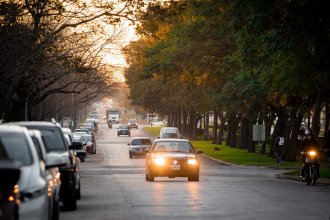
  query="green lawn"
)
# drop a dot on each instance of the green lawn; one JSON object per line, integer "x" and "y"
{"x": 242, "y": 157}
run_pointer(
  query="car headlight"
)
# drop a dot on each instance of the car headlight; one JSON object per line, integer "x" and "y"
{"x": 159, "y": 161}
{"x": 192, "y": 161}
{"x": 312, "y": 153}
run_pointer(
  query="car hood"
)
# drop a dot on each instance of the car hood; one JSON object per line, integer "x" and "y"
{"x": 177, "y": 155}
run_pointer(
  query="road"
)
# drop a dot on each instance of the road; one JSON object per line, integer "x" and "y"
{"x": 114, "y": 187}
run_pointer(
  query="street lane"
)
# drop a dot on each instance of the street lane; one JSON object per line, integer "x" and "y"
{"x": 114, "y": 187}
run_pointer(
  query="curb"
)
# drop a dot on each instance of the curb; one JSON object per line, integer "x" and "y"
{"x": 321, "y": 181}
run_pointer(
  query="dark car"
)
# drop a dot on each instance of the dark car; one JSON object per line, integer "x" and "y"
{"x": 70, "y": 175}
{"x": 9, "y": 190}
{"x": 139, "y": 146}
{"x": 172, "y": 158}
{"x": 123, "y": 130}
{"x": 133, "y": 124}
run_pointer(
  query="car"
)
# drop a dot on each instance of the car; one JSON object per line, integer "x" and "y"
{"x": 17, "y": 145}
{"x": 9, "y": 189}
{"x": 90, "y": 145}
{"x": 133, "y": 124}
{"x": 56, "y": 143}
{"x": 75, "y": 139}
{"x": 172, "y": 158}
{"x": 52, "y": 174}
{"x": 169, "y": 132}
{"x": 139, "y": 146}
{"x": 123, "y": 130}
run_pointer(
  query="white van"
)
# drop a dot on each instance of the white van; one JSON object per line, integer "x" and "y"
{"x": 169, "y": 132}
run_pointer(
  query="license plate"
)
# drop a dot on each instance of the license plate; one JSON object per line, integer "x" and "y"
{"x": 175, "y": 167}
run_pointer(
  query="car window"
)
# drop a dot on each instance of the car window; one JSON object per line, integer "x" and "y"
{"x": 38, "y": 148}
{"x": 123, "y": 127}
{"x": 141, "y": 142}
{"x": 173, "y": 147}
{"x": 170, "y": 135}
{"x": 16, "y": 148}
{"x": 53, "y": 140}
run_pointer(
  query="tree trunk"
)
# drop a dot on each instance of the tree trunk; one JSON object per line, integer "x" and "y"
{"x": 316, "y": 116}
{"x": 215, "y": 127}
{"x": 206, "y": 126}
{"x": 184, "y": 122}
{"x": 244, "y": 131}
{"x": 251, "y": 146}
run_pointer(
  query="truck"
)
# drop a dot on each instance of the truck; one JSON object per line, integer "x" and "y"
{"x": 113, "y": 114}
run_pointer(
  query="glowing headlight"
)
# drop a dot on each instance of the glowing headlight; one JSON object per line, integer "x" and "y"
{"x": 159, "y": 161}
{"x": 192, "y": 161}
{"x": 312, "y": 153}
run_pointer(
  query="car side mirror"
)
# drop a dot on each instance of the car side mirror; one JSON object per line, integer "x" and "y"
{"x": 54, "y": 161}
{"x": 128, "y": 144}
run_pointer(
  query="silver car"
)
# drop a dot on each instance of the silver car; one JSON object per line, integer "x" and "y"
{"x": 18, "y": 146}
{"x": 51, "y": 174}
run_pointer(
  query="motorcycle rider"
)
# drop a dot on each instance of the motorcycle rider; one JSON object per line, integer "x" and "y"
{"x": 308, "y": 144}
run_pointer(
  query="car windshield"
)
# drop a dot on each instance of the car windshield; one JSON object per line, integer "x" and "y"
{"x": 141, "y": 142}
{"x": 54, "y": 140}
{"x": 173, "y": 147}
{"x": 86, "y": 138}
{"x": 15, "y": 147}
{"x": 132, "y": 121}
{"x": 123, "y": 127}
{"x": 81, "y": 130}
{"x": 170, "y": 135}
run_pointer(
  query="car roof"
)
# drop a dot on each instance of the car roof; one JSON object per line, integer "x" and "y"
{"x": 10, "y": 128}
{"x": 171, "y": 140}
{"x": 34, "y": 123}
{"x": 140, "y": 138}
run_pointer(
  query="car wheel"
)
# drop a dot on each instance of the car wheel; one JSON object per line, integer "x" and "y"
{"x": 56, "y": 211}
{"x": 193, "y": 178}
{"x": 130, "y": 156}
{"x": 82, "y": 159}
{"x": 150, "y": 177}
{"x": 70, "y": 200}
{"x": 78, "y": 192}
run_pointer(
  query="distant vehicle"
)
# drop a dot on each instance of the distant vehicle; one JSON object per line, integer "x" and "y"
{"x": 57, "y": 144}
{"x": 123, "y": 130}
{"x": 172, "y": 158}
{"x": 17, "y": 145}
{"x": 169, "y": 132}
{"x": 113, "y": 114}
{"x": 133, "y": 124}
{"x": 139, "y": 146}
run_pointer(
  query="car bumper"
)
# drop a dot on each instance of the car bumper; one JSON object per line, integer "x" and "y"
{"x": 138, "y": 153}
{"x": 184, "y": 171}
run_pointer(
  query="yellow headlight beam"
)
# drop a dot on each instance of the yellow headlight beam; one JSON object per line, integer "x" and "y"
{"x": 192, "y": 161}
{"x": 159, "y": 161}
{"x": 312, "y": 153}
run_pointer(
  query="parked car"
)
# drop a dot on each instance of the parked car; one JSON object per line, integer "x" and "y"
{"x": 56, "y": 143}
{"x": 90, "y": 145}
{"x": 51, "y": 174}
{"x": 17, "y": 145}
{"x": 169, "y": 132}
{"x": 139, "y": 146}
{"x": 172, "y": 158}
{"x": 123, "y": 130}
{"x": 133, "y": 124}
{"x": 9, "y": 189}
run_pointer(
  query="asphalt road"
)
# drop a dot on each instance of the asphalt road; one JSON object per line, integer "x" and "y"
{"x": 114, "y": 187}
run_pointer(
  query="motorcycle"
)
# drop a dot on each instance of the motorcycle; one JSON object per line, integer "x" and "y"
{"x": 311, "y": 167}
{"x": 109, "y": 124}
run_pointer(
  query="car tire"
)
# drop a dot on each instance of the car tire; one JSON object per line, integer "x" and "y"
{"x": 56, "y": 211}
{"x": 70, "y": 200}
{"x": 82, "y": 159}
{"x": 193, "y": 178}
{"x": 130, "y": 156}
{"x": 150, "y": 177}
{"x": 78, "y": 192}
